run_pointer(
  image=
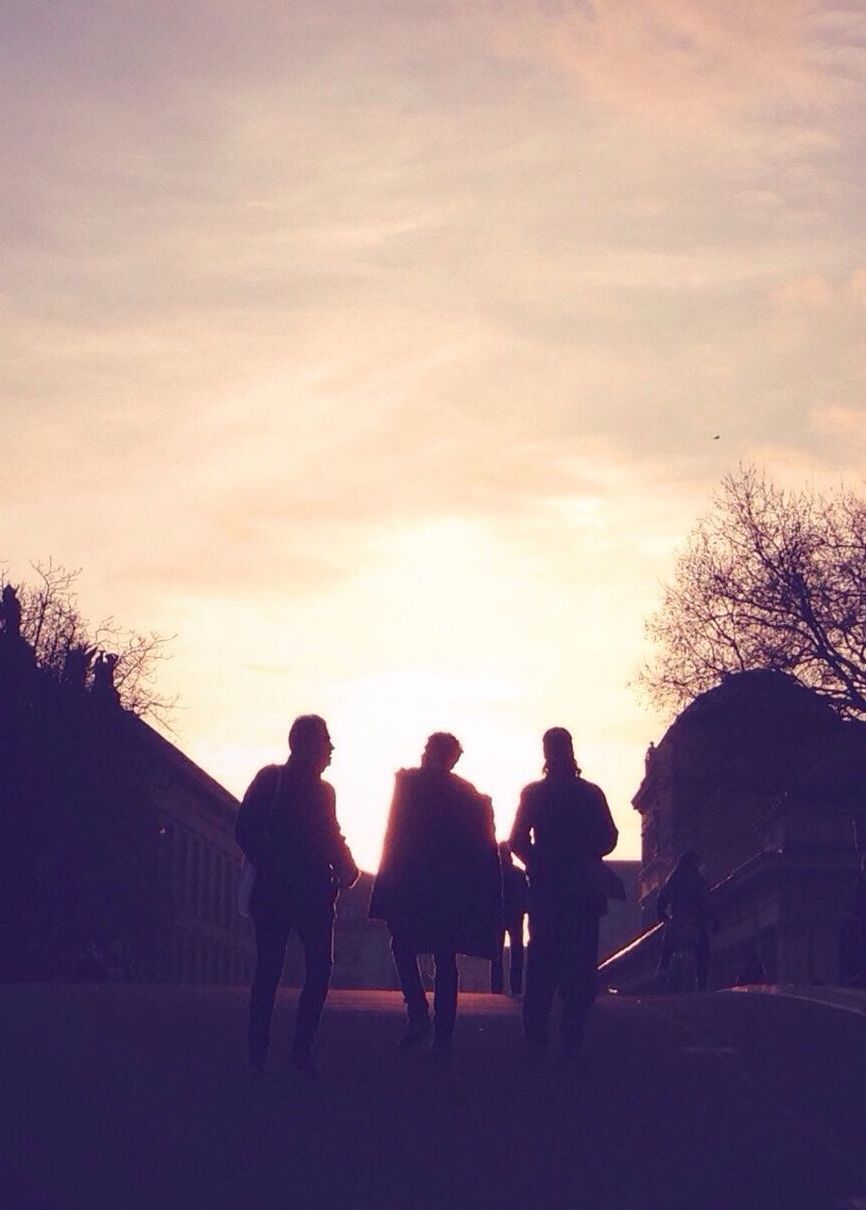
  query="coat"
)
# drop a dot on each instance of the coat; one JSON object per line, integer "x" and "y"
{"x": 562, "y": 830}
{"x": 287, "y": 828}
{"x": 439, "y": 884}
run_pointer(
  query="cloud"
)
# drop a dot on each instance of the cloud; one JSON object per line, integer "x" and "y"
{"x": 856, "y": 286}
{"x": 808, "y": 293}
{"x": 684, "y": 63}
{"x": 843, "y": 422}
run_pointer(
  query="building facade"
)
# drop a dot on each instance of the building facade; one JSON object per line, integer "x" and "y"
{"x": 112, "y": 839}
{"x": 766, "y": 782}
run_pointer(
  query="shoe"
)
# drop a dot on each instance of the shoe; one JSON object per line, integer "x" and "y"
{"x": 302, "y": 1061}
{"x": 442, "y": 1045}
{"x": 417, "y": 1034}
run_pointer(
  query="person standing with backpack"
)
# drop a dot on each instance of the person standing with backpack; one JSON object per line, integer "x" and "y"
{"x": 287, "y": 829}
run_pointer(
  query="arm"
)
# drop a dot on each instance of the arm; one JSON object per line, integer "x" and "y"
{"x": 342, "y": 862}
{"x": 254, "y": 814}
{"x": 520, "y": 840}
{"x": 607, "y": 834}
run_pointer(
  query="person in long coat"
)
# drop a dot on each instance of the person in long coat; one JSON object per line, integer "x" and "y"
{"x": 438, "y": 886}
{"x": 562, "y": 829}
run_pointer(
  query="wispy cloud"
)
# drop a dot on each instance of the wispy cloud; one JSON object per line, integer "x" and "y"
{"x": 292, "y": 291}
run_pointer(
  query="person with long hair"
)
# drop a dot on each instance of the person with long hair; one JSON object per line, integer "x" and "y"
{"x": 562, "y": 830}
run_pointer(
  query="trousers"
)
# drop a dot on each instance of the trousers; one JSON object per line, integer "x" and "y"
{"x": 562, "y": 957}
{"x": 445, "y": 986}
{"x": 697, "y": 938}
{"x": 515, "y": 968}
{"x": 314, "y": 923}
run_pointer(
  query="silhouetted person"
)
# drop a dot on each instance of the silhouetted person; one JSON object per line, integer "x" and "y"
{"x": 438, "y": 885}
{"x": 287, "y": 827}
{"x": 684, "y": 908}
{"x": 103, "y": 679}
{"x": 10, "y": 613}
{"x": 514, "y": 901}
{"x": 562, "y": 830}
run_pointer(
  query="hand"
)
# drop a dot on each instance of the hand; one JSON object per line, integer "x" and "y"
{"x": 347, "y": 877}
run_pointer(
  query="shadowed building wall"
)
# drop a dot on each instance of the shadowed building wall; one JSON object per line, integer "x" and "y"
{"x": 111, "y": 834}
{"x": 764, "y": 780}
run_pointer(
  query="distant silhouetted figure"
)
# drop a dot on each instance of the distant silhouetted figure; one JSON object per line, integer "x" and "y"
{"x": 103, "y": 679}
{"x": 287, "y": 827}
{"x": 684, "y": 908}
{"x": 514, "y": 901}
{"x": 562, "y": 830}
{"x": 438, "y": 885}
{"x": 75, "y": 665}
{"x": 10, "y": 613}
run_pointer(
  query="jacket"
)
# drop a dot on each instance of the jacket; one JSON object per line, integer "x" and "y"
{"x": 562, "y": 830}
{"x": 439, "y": 883}
{"x": 287, "y": 827}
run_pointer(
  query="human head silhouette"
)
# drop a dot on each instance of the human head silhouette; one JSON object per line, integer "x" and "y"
{"x": 310, "y": 741}
{"x": 559, "y": 753}
{"x": 442, "y": 751}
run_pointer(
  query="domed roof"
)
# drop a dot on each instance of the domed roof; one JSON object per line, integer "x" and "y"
{"x": 762, "y": 692}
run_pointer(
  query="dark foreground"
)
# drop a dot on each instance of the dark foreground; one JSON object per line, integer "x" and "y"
{"x": 130, "y": 1097}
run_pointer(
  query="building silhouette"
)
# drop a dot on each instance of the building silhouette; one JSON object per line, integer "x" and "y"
{"x": 765, "y": 780}
{"x": 112, "y": 839}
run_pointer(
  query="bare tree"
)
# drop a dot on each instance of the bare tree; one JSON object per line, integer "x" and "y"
{"x": 768, "y": 579}
{"x": 53, "y": 625}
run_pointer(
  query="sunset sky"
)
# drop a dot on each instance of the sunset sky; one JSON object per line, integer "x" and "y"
{"x": 377, "y": 350}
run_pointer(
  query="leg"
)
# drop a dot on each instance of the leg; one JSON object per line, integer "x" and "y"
{"x": 497, "y": 977}
{"x": 445, "y": 998}
{"x": 542, "y": 977}
{"x": 406, "y": 962}
{"x": 579, "y": 980}
{"x": 316, "y": 930}
{"x": 702, "y": 959}
{"x": 271, "y": 937}
{"x": 414, "y": 996}
{"x": 515, "y": 973}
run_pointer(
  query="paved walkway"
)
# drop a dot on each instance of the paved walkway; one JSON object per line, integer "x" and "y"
{"x": 851, "y": 999}
{"x": 129, "y": 1097}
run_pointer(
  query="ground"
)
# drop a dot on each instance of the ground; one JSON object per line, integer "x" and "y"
{"x": 136, "y": 1096}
